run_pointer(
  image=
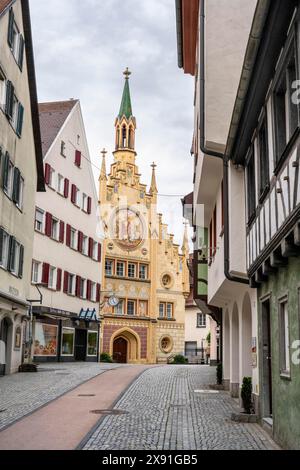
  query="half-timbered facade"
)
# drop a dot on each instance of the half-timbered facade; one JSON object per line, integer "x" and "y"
{"x": 265, "y": 140}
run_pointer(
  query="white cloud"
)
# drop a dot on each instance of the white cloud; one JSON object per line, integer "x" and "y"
{"x": 81, "y": 50}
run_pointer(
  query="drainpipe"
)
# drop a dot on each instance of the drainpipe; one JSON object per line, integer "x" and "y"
{"x": 211, "y": 153}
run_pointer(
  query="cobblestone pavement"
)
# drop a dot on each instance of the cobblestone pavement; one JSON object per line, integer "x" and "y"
{"x": 165, "y": 413}
{"x": 20, "y": 394}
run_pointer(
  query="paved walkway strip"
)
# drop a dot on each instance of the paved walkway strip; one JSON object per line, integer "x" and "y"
{"x": 21, "y": 394}
{"x": 64, "y": 423}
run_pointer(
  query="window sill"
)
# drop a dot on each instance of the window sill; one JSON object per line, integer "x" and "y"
{"x": 285, "y": 376}
{"x": 41, "y": 232}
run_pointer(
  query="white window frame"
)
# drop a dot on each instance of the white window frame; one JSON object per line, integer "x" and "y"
{"x": 52, "y": 178}
{"x": 112, "y": 267}
{"x": 5, "y": 250}
{"x": 128, "y": 270}
{"x": 60, "y": 184}
{"x": 143, "y": 277}
{"x": 201, "y": 323}
{"x": 83, "y": 289}
{"x": 122, "y": 263}
{"x": 20, "y": 202}
{"x": 37, "y": 209}
{"x": 15, "y": 271}
{"x": 52, "y": 278}
{"x": 55, "y": 229}
{"x": 72, "y": 291}
{"x": 77, "y": 198}
{"x": 93, "y": 291}
{"x": 10, "y": 180}
{"x": 284, "y": 336}
{"x": 85, "y": 245}
{"x": 95, "y": 250}
{"x": 84, "y": 202}
{"x": 74, "y": 239}
{"x": 134, "y": 310}
{"x": 36, "y": 272}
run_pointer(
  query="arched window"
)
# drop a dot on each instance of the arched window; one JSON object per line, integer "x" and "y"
{"x": 124, "y": 136}
{"x": 131, "y": 138}
{"x": 118, "y": 138}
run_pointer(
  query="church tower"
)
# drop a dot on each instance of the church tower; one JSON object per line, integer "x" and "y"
{"x": 144, "y": 269}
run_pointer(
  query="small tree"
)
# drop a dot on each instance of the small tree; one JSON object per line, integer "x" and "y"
{"x": 179, "y": 359}
{"x": 219, "y": 373}
{"x": 246, "y": 394}
{"x": 208, "y": 339}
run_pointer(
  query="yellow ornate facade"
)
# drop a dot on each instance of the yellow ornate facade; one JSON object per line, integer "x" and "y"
{"x": 143, "y": 266}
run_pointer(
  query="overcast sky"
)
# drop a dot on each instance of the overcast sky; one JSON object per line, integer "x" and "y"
{"x": 81, "y": 49}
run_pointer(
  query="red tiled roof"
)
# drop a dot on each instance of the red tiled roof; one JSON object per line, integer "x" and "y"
{"x": 52, "y": 118}
{"x": 4, "y": 4}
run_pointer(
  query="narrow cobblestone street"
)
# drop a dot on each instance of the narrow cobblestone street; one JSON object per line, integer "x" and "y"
{"x": 171, "y": 408}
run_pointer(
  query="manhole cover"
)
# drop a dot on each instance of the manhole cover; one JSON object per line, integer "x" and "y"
{"x": 87, "y": 395}
{"x": 109, "y": 412}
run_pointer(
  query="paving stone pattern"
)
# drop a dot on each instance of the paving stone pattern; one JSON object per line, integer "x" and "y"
{"x": 165, "y": 413}
{"x": 20, "y": 394}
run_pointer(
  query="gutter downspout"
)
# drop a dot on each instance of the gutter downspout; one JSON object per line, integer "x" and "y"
{"x": 211, "y": 153}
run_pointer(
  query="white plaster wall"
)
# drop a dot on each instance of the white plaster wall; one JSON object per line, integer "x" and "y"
{"x": 192, "y": 333}
{"x": 228, "y": 24}
{"x": 58, "y": 254}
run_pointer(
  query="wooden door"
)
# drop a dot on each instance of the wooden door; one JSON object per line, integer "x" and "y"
{"x": 120, "y": 351}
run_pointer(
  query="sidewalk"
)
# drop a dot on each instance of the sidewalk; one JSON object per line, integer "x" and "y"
{"x": 63, "y": 423}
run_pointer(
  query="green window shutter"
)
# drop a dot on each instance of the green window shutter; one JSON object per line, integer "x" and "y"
{"x": 21, "y": 51}
{"x": 20, "y": 120}
{"x": 10, "y": 37}
{"x": 12, "y": 253}
{"x": 10, "y": 90}
{"x": 21, "y": 262}
{"x": 16, "y": 185}
{"x": 5, "y": 172}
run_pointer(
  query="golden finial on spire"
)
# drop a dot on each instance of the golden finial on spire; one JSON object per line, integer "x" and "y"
{"x": 127, "y": 73}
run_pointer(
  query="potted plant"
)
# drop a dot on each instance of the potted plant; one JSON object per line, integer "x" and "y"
{"x": 247, "y": 416}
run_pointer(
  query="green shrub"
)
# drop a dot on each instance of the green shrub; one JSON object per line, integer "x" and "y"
{"x": 246, "y": 394}
{"x": 219, "y": 373}
{"x": 208, "y": 337}
{"x": 179, "y": 359}
{"x": 105, "y": 357}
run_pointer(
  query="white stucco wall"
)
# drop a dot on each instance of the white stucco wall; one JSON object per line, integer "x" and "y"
{"x": 57, "y": 254}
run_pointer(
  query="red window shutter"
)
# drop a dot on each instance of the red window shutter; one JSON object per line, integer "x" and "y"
{"x": 58, "y": 282}
{"x": 47, "y": 173}
{"x": 89, "y": 205}
{"x": 45, "y": 273}
{"x": 78, "y": 279}
{"x": 61, "y": 231}
{"x": 88, "y": 290}
{"x": 80, "y": 241}
{"x": 66, "y": 188}
{"x": 91, "y": 245}
{"x": 68, "y": 236}
{"x": 48, "y": 228}
{"x": 66, "y": 282}
{"x": 98, "y": 293}
{"x": 73, "y": 193}
{"x": 78, "y": 158}
{"x": 99, "y": 252}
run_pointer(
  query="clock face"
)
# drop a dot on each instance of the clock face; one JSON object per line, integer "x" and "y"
{"x": 113, "y": 301}
{"x": 128, "y": 229}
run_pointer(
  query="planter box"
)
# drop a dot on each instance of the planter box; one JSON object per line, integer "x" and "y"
{"x": 244, "y": 418}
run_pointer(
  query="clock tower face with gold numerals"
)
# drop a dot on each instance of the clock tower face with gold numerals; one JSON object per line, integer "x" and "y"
{"x": 128, "y": 229}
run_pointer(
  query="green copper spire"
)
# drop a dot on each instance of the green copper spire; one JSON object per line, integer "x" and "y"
{"x": 126, "y": 108}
